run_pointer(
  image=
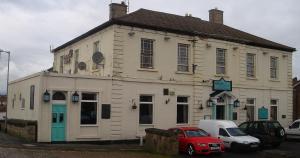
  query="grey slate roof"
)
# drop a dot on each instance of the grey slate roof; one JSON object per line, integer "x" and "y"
{"x": 185, "y": 25}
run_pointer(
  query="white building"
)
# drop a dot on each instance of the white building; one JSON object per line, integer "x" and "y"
{"x": 152, "y": 69}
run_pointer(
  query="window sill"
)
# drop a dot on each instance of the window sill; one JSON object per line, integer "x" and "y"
{"x": 274, "y": 80}
{"x": 182, "y": 124}
{"x": 88, "y": 125}
{"x": 146, "y": 124}
{"x": 252, "y": 78}
{"x": 149, "y": 70}
{"x": 184, "y": 73}
{"x": 222, "y": 75}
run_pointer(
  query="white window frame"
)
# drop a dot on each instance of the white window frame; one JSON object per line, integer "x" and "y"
{"x": 274, "y": 73}
{"x": 252, "y": 105}
{"x": 183, "y": 61}
{"x": 219, "y": 64}
{"x": 147, "y": 54}
{"x": 152, "y": 102}
{"x": 184, "y": 104}
{"x": 276, "y": 105}
{"x": 251, "y": 65}
{"x": 90, "y": 101}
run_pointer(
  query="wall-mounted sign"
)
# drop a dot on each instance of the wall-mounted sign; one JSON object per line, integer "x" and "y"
{"x": 263, "y": 113}
{"x": 222, "y": 85}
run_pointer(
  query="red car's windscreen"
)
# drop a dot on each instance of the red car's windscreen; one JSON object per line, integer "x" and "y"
{"x": 196, "y": 133}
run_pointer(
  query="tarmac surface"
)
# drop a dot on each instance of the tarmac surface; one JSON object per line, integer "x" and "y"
{"x": 12, "y": 147}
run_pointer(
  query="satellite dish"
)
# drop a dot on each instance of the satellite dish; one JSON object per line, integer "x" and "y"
{"x": 97, "y": 57}
{"x": 82, "y": 66}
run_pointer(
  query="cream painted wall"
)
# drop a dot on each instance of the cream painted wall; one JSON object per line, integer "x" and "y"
{"x": 21, "y": 88}
{"x": 85, "y": 47}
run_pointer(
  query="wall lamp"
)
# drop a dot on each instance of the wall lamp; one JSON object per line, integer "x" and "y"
{"x": 75, "y": 97}
{"x": 168, "y": 100}
{"x": 133, "y": 104}
{"x": 209, "y": 103}
{"x": 46, "y": 96}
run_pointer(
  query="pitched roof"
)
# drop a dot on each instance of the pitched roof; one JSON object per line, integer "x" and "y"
{"x": 184, "y": 25}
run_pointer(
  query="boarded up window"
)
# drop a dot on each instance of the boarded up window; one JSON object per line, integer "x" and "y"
{"x": 32, "y": 88}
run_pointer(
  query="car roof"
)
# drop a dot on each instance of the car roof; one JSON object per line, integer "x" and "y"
{"x": 186, "y": 128}
{"x": 224, "y": 123}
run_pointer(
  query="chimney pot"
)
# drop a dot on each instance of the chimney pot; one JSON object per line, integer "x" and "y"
{"x": 117, "y": 10}
{"x": 216, "y": 16}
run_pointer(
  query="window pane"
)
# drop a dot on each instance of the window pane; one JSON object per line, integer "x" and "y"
{"x": 220, "y": 61}
{"x": 54, "y": 117}
{"x": 182, "y": 99}
{"x": 88, "y": 113}
{"x": 250, "y": 113}
{"x": 183, "y": 57}
{"x": 105, "y": 111}
{"x": 89, "y": 96}
{"x": 182, "y": 113}
{"x": 273, "y": 102}
{"x": 250, "y": 101}
{"x": 250, "y": 65}
{"x": 146, "y": 53}
{"x": 61, "y": 118}
{"x": 144, "y": 98}
{"x": 146, "y": 111}
{"x": 273, "y": 67}
{"x": 32, "y": 97}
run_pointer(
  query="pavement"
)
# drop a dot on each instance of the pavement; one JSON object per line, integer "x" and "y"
{"x": 12, "y": 147}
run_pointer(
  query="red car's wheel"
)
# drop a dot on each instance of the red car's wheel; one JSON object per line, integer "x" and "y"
{"x": 190, "y": 150}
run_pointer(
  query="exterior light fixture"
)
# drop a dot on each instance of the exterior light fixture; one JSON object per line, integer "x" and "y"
{"x": 201, "y": 107}
{"x": 209, "y": 103}
{"x": 133, "y": 104}
{"x": 46, "y": 96}
{"x": 75, "y": 97}
{"x": 236, "y": 103}
{"x": 167, "y": 101}
{"x": 245, "y": 108}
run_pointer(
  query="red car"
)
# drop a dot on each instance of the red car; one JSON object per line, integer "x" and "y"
{"x": 193, "y": 141}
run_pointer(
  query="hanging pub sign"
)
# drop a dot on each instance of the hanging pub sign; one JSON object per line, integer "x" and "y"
{"x": 222, "y": 85}
{"x": 263, "y": 113}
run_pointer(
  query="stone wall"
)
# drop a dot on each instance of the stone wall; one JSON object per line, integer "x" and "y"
{"x": 161, "y": 141}
{"x": 24, "y": 129}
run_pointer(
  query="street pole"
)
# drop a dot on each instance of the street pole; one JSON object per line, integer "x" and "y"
{"x": 7, "y": 81}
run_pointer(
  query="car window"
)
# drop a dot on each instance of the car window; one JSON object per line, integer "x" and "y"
{"x": 295, "y": 125}
{"x": 196, "y": 133}
{"x": 274, "y": 125}
{"x": 236, "y": 132}
{"x": 222, "y": 132}
{"x": 243, "y": 126}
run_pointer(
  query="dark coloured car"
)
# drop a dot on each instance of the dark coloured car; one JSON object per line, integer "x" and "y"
{"x": 268, "y": 132}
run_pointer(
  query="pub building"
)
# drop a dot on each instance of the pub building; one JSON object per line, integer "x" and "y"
{"x": 148, "y": 69}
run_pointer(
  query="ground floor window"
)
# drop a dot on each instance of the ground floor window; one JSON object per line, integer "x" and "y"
{"x": 273, "y": 113}
{"x": 88, "y": 114}
{"x": 146, "y": 109}
{"x": 250, "y": 107}
{"x": 182, "y": 110}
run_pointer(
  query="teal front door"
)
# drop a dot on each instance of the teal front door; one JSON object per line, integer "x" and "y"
{"x": 58, "y": 122}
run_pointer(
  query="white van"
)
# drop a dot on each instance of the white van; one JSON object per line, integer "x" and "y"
{"x": 231, "y": 135}
{"x": 293, "y": 131}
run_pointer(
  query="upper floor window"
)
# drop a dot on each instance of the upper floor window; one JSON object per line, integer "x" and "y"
{"x": 220, "y": 61}
{"x": 183, "y": 58}
{"x": 147, "y": 53}
{"x": 76, "y": 61}
{"x": 274, "y": 67}
{"x": 61, "y": 64}
{"x": 96, "y": 46}
{"x": 32, "y": 88}
{"x": 250, "y": 65}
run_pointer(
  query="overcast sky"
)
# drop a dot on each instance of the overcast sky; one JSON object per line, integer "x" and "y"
{"x": 29, "y": 27}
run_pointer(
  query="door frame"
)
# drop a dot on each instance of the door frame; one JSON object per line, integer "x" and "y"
{"x": 62, "y": 103}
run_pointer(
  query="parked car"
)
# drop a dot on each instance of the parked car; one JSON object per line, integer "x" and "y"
{"x": 268, "y": 132}
{"x": 231, "y": 135}
{"x": 193, "y": 141}
{"x": 293, "y": 131}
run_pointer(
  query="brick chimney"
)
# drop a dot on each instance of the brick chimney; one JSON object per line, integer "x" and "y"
{"x": 117, "y": 10}
{"x": 216, "y": 16}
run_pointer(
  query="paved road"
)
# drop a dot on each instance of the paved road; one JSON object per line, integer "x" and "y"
{"x": 290, "y": 147}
